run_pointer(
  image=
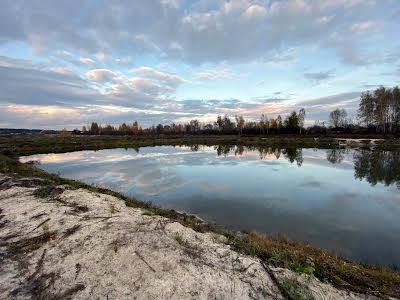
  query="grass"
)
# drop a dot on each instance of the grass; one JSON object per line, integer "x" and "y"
{"x": 179, "y": 239}
{"x": 28, "y": 145}
{"x": 296, "y": 256}
{"x": 322, "y": 264}
{"x": 47, "y": 191}
{"x": 296, "y": 290}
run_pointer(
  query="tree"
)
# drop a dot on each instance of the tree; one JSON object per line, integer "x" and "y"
{"x": 135, "y": 128}
{"x": 366, "y": 108}
{"x": 338, "y": 117}
{"x": 301, "y": 117}
{"x": 194, "y": 126}
{"x": 240, "y": 124}
{"x": 94, "y": 128}
{"x": 123, "y": 129}
{"x": 64, "y": 133}
{"x": 219, "y": 123}
{"x": 292, "y": 121}
{"x": 381, "y": 98}
{"x": 264, "y": 123}
{"x": 381, "y": 108}
{"x": 279, "y": 123}
{"x": 84, "y": 130}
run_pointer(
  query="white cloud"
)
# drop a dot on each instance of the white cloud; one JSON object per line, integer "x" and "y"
{"x": 254, "y": 12}
{"x": 362, "y": 26}
{"x": 210, "y": 31}
{"x": 167, "y": 78}
{"x": 100, "y": 75}
{"x": 214, "y": 74}
{"x": 86, "y": 61}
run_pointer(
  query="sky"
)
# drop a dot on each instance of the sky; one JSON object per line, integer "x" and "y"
{"x": 64, "y": 63}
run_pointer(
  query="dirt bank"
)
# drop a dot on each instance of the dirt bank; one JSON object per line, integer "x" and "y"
{"x": 57, "y": 243}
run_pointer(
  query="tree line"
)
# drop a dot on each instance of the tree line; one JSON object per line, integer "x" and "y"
{"x": 293, "y": 123}
{"x": 379, "y": 111}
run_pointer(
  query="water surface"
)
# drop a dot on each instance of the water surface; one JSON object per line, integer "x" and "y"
{"x": 344, "y": 200}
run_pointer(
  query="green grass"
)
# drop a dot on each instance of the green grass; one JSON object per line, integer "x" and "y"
{"x": 179, "y": 239}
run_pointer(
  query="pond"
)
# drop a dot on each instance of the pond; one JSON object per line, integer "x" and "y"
{"x": 345, "y": 200}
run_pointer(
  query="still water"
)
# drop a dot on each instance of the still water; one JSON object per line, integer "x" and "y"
{"x": 344, "y": 200}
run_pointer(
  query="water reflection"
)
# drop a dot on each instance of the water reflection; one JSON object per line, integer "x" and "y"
{"x": 324, "y": 196}
{"x": 335, "y": 156}
{"x": 377, "y": 166}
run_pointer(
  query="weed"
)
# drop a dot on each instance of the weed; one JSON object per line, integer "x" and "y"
{"x": 236, "y": 260}
{"x": 307, "y": 267}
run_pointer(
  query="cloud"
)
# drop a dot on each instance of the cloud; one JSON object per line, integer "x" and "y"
{"x": 22, "y": 82}
{"x": 76, "y": 58}
{"x": 169, "y": 79}
{"x": 100, "y": 75}
{"x": 54, "y": 116}
{"x": 317, "y": 77}
{"x": 26, "y": 83}
{"x": 86, "y": 61}
{"x": 147, "y": 87}
{"x": 329, "y": 100}
{"x": 362, "y": 26}
{"x": 354, "y": 57}
{"x": 214, "y": 74}
{"x": 234, "y": 30}
{"x": 254, "y": 12}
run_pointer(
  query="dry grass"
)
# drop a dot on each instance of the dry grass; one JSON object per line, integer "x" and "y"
{"x": 319, "y": 263}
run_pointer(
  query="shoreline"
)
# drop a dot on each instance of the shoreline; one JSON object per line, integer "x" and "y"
{"x": 22, "y": 145}
{"x": 61, "y": 242}
{"x": 300, "y": 258}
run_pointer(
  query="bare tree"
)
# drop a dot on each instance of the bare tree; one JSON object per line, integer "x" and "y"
{"x": 338, "y": 117}
{"x": 301, "y": 117}
{"x": 240, "y": 124}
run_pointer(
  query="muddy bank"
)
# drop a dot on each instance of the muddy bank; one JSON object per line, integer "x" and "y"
{"x": 58, "y": 243}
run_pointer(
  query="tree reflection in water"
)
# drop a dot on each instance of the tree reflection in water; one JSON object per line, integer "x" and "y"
{"x": 335, "y": 156}
{"x": 291, "y": 154}
{"x": 377, "y": 166}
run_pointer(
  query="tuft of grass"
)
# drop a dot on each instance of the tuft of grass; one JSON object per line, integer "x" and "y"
{"x": 179, "y": 239}
{"x": 296, "y": 290}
